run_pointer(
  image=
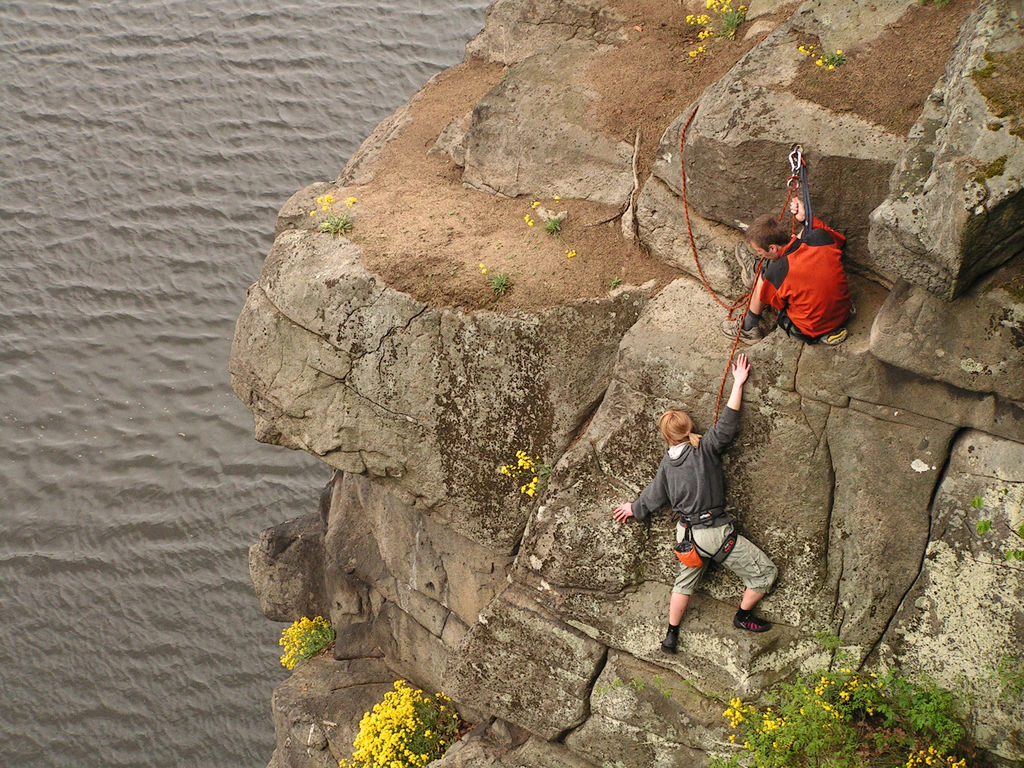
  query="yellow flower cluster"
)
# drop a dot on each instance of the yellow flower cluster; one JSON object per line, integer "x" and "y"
{"x": 736, "y": 712}
{"x": 570, "y": 253}
{"x": 483, "y": 269}
{"x": 525, "y": 464}
{"x": 303, "y": 639}
{"x": 728, "y": 18}
{"x": 408, "y": 729}
{"x": 932, "y": 756}
{"x": 771, "y": 723}
{"x": 827, "y": 60}
{"x": 529, "y": 220}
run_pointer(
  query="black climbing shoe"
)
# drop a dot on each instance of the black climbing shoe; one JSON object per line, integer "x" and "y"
{"x": 750, "y": 623}
{"x": 668, "y": 645}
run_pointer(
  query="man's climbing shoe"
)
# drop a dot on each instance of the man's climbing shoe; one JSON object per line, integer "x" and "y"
{"x": 835, "y": 338}
{"x": 730, "y": 327}
{"x": 748, "y": 621}
{"x": 671, "y": 641}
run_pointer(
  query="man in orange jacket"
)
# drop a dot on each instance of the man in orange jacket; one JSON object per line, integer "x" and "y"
{"x": 803, "y": 281}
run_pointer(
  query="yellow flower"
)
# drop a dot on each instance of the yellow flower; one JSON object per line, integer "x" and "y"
{"x": 570, "y": 253}
{"x": 535, "y": 204}
{"x": 349, "y": 202}
{"x": 831, "y": 67}
{"x": 693, "y": 54}
{"x": 819, "y": 62}
{"x": 839, "y": 52}
{"x": 557, "y": 198}
{"x": 529, "y": 223}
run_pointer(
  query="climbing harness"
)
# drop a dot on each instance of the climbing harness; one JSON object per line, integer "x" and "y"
{"x": 692, "y": 556}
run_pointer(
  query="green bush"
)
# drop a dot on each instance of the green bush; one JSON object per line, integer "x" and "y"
{"x": 847, "y": 719}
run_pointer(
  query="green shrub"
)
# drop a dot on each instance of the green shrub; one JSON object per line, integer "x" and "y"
{"x": 847, "y": 719}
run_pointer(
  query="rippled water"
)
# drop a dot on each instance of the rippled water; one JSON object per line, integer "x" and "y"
{"x": 145, "y": 147}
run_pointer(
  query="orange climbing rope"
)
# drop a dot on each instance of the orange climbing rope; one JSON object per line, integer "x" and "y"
{"x": 792, "y": 185}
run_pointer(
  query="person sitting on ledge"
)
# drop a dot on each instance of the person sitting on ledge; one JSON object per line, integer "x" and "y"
{"x": 690, "y": 481}
{"x": 803, "y": 281}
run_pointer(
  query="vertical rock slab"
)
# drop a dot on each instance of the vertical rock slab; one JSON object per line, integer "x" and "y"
{"x": 518, "y": 655}
{"x": 964, "y": 618}
{"x": 532, "y": 134}
{"x": 955, "y": 208}
{"x": 748, "y": 121}
{"x": 975, "y": 343}
{"x": 879, "y": 529}
{"x": 645, "y": 715}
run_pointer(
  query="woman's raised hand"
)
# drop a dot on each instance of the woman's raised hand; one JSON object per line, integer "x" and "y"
{"x": 740, "y": 368}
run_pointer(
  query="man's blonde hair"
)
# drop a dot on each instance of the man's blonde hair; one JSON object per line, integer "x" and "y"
{"x": 677, "y": 427}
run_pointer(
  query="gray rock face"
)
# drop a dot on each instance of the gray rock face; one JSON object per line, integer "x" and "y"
{"x": 956, "y": 201}
{"x": 517, "y": 655}
{"x": 974, "y": 343}
{"x": 748, "y": 122}
{"x": 963, "y": 619}
{"x": 286, "y": 566}
{"x": 532, "y": 134}
{"x": 642, "y": 714}
{"x": 881, "y": 527}
{"x": 431, "y": 401}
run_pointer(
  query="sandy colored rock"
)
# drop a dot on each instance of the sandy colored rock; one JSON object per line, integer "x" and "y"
{"x": 532, "y": 134}
{"x": 516, "y": 30}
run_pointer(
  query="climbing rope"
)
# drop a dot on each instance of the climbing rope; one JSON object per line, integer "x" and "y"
{"x": 795, "y": 184}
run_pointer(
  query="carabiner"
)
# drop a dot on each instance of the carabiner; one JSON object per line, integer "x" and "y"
{"x": 796, "y": 159}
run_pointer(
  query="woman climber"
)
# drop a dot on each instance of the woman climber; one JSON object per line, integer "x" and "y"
{"x": 690, "y": 481}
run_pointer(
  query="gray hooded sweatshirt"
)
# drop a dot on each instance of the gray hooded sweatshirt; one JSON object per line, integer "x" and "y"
{"x": 691, "y": 482}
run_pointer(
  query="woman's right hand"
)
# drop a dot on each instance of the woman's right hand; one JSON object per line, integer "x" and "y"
{"x": 623, "y": 512}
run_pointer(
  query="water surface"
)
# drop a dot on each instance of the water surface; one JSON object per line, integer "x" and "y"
{"x": 145, "y": 147}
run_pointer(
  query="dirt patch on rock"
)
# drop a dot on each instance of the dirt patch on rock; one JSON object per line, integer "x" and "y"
{"x": 888, "y": 80}
{"x": 651, "y": 79}
{"x": 426, "y": 234}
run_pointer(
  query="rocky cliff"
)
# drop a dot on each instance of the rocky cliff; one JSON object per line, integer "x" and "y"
{"x": 862, "y": 470}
